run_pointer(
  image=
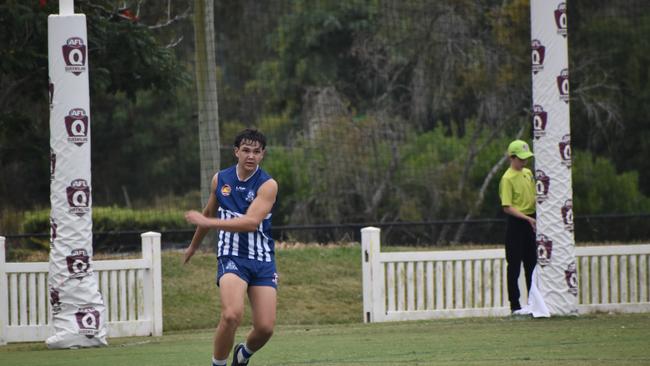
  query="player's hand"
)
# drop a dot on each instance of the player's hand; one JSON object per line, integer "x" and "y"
{"x": 533, "y": 223}
{"x": 196, "y": 218}
{"x": 189, "y": 252}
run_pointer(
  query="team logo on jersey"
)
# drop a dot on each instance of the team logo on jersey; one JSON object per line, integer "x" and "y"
{"x": 539, "y": 121}
{"x": 225, "y": 190}
{"x": 544, "y": 249}
{"x": 250, "y": 196}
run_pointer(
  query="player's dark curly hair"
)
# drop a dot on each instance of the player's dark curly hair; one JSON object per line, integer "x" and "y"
{"x": 252, "y": 135}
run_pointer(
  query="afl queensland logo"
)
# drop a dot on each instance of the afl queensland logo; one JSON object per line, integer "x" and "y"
{"x": 50, "y": 92}
{"x": 53, "y": 227}
{"x": 540, "y": 117}
{"x": 55, "y": 301}
{"x": 561, "y": 19}
{"x": 88, "y": 321}
{"x": 567, "y": 215}
{"x": 542, "y": 184}
{"x": 78, "y": 263}
{"x": 52, "y": 164}
{"x": 74, "y": 55}
{"x": 563, "y": 85}
{"x": 76, "y": 125}
{"x": 571, "y": 277}
{"x": 225, "y": 190}
{"x": 544, "y": 250}
{"x": 565, "y": 150}
{"x": 538, "y": 52}
{"x": 78, "y": 194}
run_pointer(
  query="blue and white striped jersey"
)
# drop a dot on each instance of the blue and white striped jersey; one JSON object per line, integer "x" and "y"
{"x": 234, "y": 197}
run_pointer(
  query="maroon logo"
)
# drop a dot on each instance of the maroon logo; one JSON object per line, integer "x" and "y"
{"x": 50, "y": 89}
{"x": 52, "y": 164}
{"x": 565, "y": 150}
{"x": 88, "y": 321}
{"x": 538, "y": 52}
{"x": 78, "y": 197}
{"x": 542, "y": 184}
{"x": 53, "y": 227}
{"x": 539, "y": 121}
{"x": 563, "y": 85}
{"x": 567, "y": 215}
{"x": 74, "y": 55}
{"x": 544, "y": 249}
{"x": 571, "y": 277}
{"x": 76, "y": 124}
{"x": 561, "y": 19}
{"x": 78, "y": 263}
{"x": 55, "y": 301}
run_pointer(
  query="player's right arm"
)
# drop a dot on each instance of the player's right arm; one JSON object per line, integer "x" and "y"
{"x": 208, "y": 211}
{"x": 513, "y": 211}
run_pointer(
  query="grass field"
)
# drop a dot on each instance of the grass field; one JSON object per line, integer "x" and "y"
{"x": 586, "y": 340}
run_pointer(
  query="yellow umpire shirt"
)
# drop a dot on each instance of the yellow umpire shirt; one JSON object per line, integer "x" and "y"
{"x": 517, "y": 189}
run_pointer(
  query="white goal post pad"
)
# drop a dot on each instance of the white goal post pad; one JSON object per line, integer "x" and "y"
{"x": 76, "y": 305}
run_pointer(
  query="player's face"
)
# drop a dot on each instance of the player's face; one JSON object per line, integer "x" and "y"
{"x": 249, "y": 154}
{"x": 517, "y": 163}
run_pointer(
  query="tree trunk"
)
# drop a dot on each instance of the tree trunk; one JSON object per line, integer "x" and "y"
{"x": 206, "y": 87}
{"x": 481, "y": 194}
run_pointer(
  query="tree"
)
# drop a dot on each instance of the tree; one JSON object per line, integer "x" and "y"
{"x": 125, "y": 59}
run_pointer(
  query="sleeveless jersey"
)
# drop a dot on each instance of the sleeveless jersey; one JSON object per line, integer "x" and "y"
{"x": 234, "y": 197}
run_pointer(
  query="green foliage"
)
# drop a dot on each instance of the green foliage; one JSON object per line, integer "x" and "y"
{"x": 126, "y": 62}
{"x": 599, "y": 189}
{"x": 107, "y": 219}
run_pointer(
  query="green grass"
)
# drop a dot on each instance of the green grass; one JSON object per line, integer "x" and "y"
{"x": 318, "y": 285}
{"x": 586, "y": 340}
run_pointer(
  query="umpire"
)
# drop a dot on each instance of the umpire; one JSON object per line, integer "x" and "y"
{"x": 517, "y": 193}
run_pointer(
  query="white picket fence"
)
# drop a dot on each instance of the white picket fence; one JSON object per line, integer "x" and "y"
{"x": 131, "y": 288}
{"x": 442, "y": 284}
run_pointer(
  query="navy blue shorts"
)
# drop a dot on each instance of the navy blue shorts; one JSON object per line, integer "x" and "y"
{"x": 254, "y": 272}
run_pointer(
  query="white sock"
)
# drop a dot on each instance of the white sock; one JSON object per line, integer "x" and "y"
{"x": 216, "y": 362}
{"x": 244, "y": 354}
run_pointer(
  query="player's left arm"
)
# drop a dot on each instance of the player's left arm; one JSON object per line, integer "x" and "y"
{"x": 257, "y": 211}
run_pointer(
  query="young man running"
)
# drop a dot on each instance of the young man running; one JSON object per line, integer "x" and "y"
{"x": 240, "y": 204}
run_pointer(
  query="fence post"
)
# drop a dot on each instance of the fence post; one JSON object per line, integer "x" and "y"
{"x": 4, "y": 295}
{"x": 153, "y": 281}
{"x": 373, "y": 282}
